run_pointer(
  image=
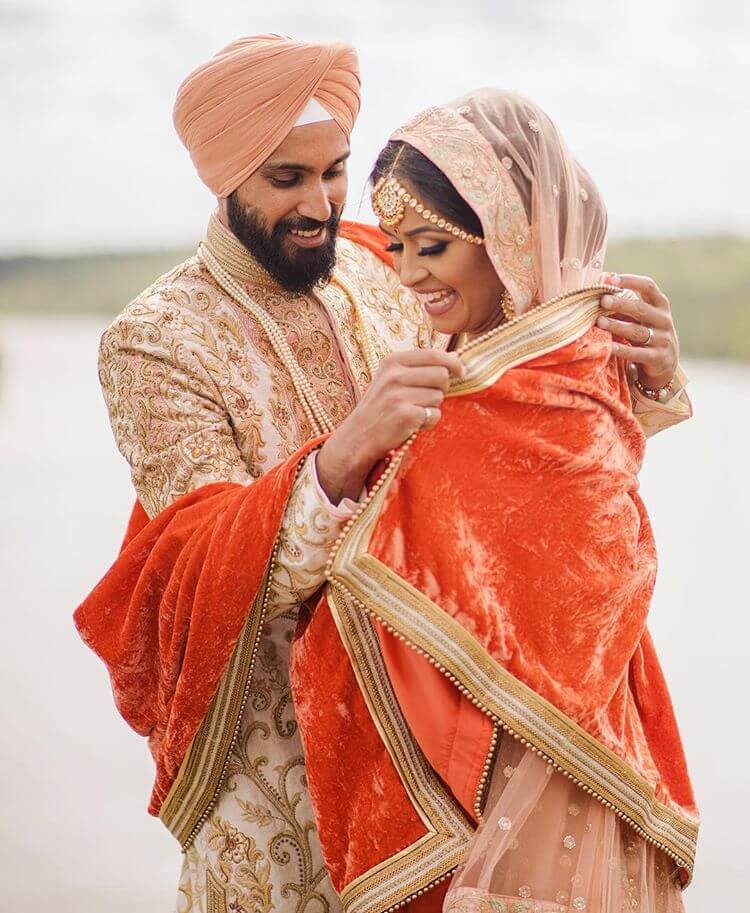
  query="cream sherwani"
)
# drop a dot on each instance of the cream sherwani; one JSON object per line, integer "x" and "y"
{"x": 196, "y": 395}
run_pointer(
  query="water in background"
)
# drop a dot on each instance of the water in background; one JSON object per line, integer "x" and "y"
{"x": 74, "y": 783}
{"x": 651, "y": 95}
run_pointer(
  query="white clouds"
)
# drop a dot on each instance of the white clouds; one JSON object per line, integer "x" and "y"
{"x": 648, "y": 95}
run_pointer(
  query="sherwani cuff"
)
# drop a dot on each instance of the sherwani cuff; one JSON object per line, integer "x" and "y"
{"x": 346, "y": 508}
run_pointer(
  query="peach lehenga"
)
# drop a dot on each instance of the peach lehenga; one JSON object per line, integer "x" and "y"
{"x": 545, "y": 846}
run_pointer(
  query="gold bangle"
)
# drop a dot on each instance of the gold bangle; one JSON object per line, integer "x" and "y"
{"x": 659, "y": 395}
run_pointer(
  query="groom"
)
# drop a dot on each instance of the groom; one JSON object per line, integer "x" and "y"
{"x": 286, "y": 326}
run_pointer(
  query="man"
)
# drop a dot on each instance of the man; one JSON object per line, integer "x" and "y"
{"x": 221, "y": 379}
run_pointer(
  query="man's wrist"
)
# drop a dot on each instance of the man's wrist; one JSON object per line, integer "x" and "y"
{"x": 343, "y": 467}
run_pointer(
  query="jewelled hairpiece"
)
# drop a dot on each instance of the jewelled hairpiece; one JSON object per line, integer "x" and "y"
{"x": 390, "y": 199}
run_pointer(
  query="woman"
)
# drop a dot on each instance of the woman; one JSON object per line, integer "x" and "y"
{"x": 492, "y": 594}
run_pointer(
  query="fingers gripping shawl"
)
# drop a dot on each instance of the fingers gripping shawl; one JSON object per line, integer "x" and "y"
{"x": 167, "y": 615}
{"x": 235, "y": 109}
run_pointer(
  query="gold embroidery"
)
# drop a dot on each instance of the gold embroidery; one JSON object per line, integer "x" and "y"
{"x": 308, "y": 531}
{"x": 263, "y": 815}
{"x": 216, "y": 899}
{"x": 195, "y": 392}
{"x": 434, "y": 857}
{"x": 244, "y": 870}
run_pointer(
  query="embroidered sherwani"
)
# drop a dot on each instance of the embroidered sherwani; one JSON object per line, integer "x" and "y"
{"x": 196, "y": 394}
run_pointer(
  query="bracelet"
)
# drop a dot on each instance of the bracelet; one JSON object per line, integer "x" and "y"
{"x": 658, "y": 395}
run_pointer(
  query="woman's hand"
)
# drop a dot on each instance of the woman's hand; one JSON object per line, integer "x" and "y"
{"x": 630, "y": 318}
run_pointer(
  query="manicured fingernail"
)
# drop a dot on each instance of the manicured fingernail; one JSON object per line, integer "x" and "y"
{"x": 607, "y": 301}
{"x": 603, "y": 323}
{"x": 614, "y": 279}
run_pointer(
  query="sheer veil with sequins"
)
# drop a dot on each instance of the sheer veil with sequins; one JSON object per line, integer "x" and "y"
{"x": 546, "y": 224}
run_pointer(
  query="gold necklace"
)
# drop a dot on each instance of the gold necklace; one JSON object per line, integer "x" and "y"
{"x": 311, "y": 405}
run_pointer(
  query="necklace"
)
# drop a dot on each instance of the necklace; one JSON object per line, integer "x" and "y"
{"x": 311, "y": 405}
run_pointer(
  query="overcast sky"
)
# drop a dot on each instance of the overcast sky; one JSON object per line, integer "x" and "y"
{"x": 652, "y": 96}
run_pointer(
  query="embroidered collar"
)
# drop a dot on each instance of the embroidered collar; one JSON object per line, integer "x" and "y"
{"x": 236, "y": 258}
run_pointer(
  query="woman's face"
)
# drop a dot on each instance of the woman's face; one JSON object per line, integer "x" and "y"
{"x": 453, "y": 279}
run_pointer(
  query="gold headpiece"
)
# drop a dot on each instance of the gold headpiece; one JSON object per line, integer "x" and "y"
{"x": 390, "y": 199}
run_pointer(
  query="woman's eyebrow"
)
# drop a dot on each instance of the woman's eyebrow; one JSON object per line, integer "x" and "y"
{"x": 421, "y": 229}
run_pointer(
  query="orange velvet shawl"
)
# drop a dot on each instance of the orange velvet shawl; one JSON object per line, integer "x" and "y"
{"x": 510, "y": 553}
{"x": 167, "y": 615}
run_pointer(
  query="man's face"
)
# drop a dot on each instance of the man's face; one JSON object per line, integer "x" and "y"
{"x": 287, "y": 212}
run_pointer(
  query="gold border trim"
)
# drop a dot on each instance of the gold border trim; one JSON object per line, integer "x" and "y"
{"x": 543, "y": 329}
{"x": 200, "y": 779}
{"x": 201, "y": 775}
{"x": 433, "y": 857}
{"x": 514, "y": 707}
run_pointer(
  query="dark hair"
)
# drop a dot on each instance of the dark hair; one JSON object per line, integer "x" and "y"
{"x": 429, "y": 182}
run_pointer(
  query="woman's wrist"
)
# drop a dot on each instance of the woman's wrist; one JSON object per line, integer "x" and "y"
{"x": 657, "y": 390}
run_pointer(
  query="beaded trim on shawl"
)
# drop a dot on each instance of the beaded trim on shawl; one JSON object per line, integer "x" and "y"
{"x": 370, "y": 586}
{"x": 469, "y": 162}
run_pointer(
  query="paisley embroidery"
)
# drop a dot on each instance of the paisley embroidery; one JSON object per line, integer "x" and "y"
{"x": 195, "y": 392}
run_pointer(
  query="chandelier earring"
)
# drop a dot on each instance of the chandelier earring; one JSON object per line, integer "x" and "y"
{"x": 507, "y": 306}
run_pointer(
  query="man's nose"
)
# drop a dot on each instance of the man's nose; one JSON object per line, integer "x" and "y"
{"x": 315, "y": 204}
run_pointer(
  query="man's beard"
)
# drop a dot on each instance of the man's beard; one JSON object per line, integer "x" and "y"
{"x": 296, "y": 271}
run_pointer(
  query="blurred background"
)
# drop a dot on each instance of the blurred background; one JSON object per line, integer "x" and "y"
{"x": 97, "y": 198}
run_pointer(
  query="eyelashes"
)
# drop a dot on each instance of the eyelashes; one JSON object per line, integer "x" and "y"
{"x": 434, "y": 249}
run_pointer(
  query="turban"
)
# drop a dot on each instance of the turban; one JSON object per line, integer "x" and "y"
{"x": 235, "y": 109}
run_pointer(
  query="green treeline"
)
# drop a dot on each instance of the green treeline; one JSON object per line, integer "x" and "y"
{"x": 707, "y": 280}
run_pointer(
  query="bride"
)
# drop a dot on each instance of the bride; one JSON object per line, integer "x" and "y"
{"x": 486, "y": 615}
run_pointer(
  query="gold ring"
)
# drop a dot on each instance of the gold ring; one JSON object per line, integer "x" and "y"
{"x": 648, "y": 338}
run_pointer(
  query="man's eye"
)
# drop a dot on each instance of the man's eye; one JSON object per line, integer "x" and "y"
{"x": 284, "y": 182}
{"x": 334, "y": 174}
{"x": 394, "y": 247}
{"x": 433, "y": 250}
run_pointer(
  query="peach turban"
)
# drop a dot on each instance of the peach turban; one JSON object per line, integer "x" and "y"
{"x": 235, "y": 109}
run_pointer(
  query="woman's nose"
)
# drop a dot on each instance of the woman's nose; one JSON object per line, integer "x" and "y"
{"x": 411, "y": 271}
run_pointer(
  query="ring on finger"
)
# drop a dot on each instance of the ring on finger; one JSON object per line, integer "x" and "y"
{"x": 648, "y": 338}
{"x": 428, "y": 410}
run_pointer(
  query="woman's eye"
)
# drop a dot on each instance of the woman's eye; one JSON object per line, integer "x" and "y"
{"x": 433, "y": 249}
{"x": 394, "y": 247}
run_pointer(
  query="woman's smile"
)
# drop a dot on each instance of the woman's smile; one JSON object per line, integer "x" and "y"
{"x": 438, "y": 302}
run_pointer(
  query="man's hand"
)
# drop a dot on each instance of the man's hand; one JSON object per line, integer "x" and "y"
{"x": 405, "y": 396}
{"x": 630, "y": 318}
